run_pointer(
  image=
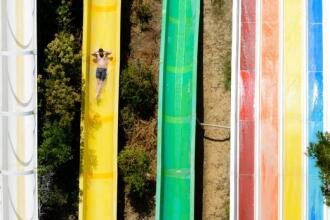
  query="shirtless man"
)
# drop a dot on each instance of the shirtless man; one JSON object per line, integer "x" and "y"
{"x": 102, "y": 60}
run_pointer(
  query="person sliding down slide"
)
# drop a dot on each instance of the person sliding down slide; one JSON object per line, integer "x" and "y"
{"x": 102, "y": 60}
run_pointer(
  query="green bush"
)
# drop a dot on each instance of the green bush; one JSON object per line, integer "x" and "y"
{"x": 134, "y": 165}
{"x": 59, "y": 97}
{"x": 144, "y": 14}
{"x": 320, "y": 151}
{"x": 227, "y": 72}
{"x": 63, "y": 57}
{"x": 127, "y": 119}
{"x": 137, "y": 90}
{"x": 64, "y": 14}
{"x": 55, "y": 150}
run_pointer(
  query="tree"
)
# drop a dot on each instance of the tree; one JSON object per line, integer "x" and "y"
{"x": 59, "y": 109}
{"x": 137, "y": 90}
{"x": 320, "y": 151}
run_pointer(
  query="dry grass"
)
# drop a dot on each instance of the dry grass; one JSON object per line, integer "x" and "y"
{"x": 145, "y": 135}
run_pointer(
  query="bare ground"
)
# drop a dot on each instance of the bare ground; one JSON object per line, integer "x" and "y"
{"x": 216, "y": 49}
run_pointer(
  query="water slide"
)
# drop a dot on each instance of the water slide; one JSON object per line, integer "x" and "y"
{"x": 98, "y": 178}
{"x": 177, "y": 110}
{"x": 18, "y": 110}
{"x": 280, "y": 99}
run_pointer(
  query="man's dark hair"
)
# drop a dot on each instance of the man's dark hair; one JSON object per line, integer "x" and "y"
{"x": 101, "y": 52}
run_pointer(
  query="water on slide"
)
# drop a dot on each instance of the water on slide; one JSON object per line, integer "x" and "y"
{"x": 278, "y": 84}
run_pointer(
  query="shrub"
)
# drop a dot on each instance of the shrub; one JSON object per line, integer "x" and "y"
{"x": 144, "y": 14}
{"x": 137, "y": 90}
{"x": 59, "y": 94}
{"x": 63, "y": 57}
{"x": 61, "y": 101}
{"x": 134, "y": 165}
{"x": 55, "y": 150}
{"x": 127, "y": 121}
{"x": 227, "y": 72}
{"x": 64, "y": 14}
{"x": 320, "y": 151}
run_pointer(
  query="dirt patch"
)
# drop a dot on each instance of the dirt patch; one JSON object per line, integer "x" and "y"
{"x": 145, "y": 45}
{"x": 216, "y": 49}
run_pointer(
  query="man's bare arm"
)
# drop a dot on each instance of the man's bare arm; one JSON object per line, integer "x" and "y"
{"x": 95, "y": 53}
{"x": 107, "y": 53}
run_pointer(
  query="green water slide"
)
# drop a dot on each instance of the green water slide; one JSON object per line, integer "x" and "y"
{"x": 177, "y": 110}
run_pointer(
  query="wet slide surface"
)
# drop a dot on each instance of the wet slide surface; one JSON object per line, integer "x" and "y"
{"x": 293, "y": 118}
{"x": 269, "y": 109}
{"x": 279, "y": 104}
{"x": 246, "y": 110}
{"x": 98, "y": 178}
{"x": 177, "y": 110}
{"x": 315, "y": 103}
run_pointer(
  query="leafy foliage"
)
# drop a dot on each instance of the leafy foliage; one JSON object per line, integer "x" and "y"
{"x": 61, "y": 99}
{"x": 137, "y": 90}
{"x": 59, "y": 88}
{"x": 134, "y": 165}
{"x": 63, "y": 56}
{"x": 127, "y": 120}
{"x": 144, "y": 14}
{"x": 54, "y": 150}
{"x": 320, "y": 151}
{"x": 64, "y": 15}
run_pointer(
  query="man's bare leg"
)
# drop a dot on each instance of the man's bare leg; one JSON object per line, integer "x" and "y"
{"x": 98, "y": 88}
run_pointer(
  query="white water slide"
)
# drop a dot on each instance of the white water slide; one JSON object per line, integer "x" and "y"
{"x": 18, "y": 107}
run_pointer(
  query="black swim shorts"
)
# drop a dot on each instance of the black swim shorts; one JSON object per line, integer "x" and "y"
{"x": 101, "y": 73}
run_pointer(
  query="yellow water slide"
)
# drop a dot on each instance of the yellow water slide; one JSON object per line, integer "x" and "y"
{"x": 98, "y": 177}
{"x": 294, "y": 62}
